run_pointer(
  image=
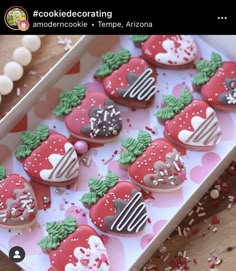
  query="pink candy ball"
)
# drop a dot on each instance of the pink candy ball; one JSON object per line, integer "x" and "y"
{"x": 81, "y": 147}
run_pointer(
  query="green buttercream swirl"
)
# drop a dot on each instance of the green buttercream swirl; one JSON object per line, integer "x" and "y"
{"x": 97, "y": 186}
{"x": 57, "y": 233}
{"x": 111, "y": 179}
{"x": 104, "y": 70}
{"x": 174, "y": 105}
{"x": 69, "y": 224}
{"x": 42, "y": 132}
{"x": 2, "y": 172}
{"x": 30, "y": 139}
{"x": 22, "y": 151}
{"x": 134, "y": 147}
{"x": 144, "y": 137}
{"x": 112, "y": 62}
{"x": 165, "y": 113}
{"x": 139, "y": 38}
{"x": 49, "y": 242}
{"x": 69, "y": 99}
{"x": 185, "y": 97}
{"x": 56, "y": 229}
{"x": 126, "y": 157}
{"x": 207, "y": 69}
{"x": 124, "y": 55}
{"x": 89, "y": 198}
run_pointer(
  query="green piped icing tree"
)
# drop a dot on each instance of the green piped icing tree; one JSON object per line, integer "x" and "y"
{"x": 174, "y": 105}
{"x": 134, "y": 147}
{"x": 99, "y": 188}
{"x": 2, "y": 172}
{"x": 69, "y": 99}
{"x": 113, "y": 61}
{"x": 57, "y": 232}
{"x": 31, "y": 141}
{"x": 139, "y": 38}
{"x": 207, "y": 69}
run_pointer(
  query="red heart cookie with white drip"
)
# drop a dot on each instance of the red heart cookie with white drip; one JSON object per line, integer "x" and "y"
{"x": 48, "y": 157}
{"x": 217, "y": 82}
{"x": 18, "y": 205}
{"x": 90, "y": 116}
{"x": 73, "y": 247}
{"x": 127, "y": 80}
{"x": 116, "y": 207}
{"x": 167, "y": 51}
{"x": 190, "y": 123}
{"x": 153, "y": 165}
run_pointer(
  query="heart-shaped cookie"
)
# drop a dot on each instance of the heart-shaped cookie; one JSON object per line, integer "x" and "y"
{"x": 127, "y": 80}
{"x": 18, "y": 206}
{"x": 153, "y": 165}
{"x": 48, "y": 157}
{"x": 167, "y": 51}
{"x": 115, "y": 207}
{"x": 90, "y": 116}
{"x": 190, "y": 123}
{"x": 72, "y": 247}
{"x": 216, "y": 80}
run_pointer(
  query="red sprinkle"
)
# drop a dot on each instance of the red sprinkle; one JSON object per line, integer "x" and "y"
{"x": 215, "y": 220}
{"x": 195, "y": 231}
{"x": 149, "y": 220}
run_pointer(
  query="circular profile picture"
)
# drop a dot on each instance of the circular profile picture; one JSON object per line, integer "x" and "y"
{"x": 16, "y": 18}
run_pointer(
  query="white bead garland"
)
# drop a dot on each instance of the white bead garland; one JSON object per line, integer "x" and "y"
{"x": 21, "y": 56}
{"x": 31, "y": 42}
{"x": 13, "y": 70}
{"x": 6, "y": 85}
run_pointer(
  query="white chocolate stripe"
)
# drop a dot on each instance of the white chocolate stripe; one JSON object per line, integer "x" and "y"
{"x": 139, "y": 223}
{"x": 207, "y": 131}
{"x": 126, "y": 212}
{"x": 142, "y": 87}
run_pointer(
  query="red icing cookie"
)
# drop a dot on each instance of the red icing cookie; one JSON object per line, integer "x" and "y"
{"x": 167, "y": 51}
{"x": 116, "y": 207}
{"x": 74, "y": 248}
{"x": 90, "y": 116}
{"x": 217, "y": 82}
{"x": 127, "y": 80}
{"x": 48, "y": 157}
{"x": 153, "y": 165}
{"x": 191, "y": 124}
{"x": 18, "y": 206}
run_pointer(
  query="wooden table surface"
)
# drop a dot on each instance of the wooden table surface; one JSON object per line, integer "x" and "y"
{"x": 204, "y": 243}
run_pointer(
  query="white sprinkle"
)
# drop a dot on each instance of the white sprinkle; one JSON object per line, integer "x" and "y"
{"x": 18, "y": 92}
{"x": 190, "y": 213}
{"x": 185, "y": 254}
{"x": 176, "y": 166}
{"x": 179, "y": 231}
{"x": 229, "y": 206}
{"x": 191, "y": 222}
{"x": 201, "y": 214}
{"x": 215, "y": 229}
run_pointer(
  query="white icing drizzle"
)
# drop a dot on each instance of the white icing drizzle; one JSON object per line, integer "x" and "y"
{"x": 94, "y": 258}
{"x": 130, "y": 215}
{"x": 64, "y": 167}
{"x": 206, "y": 132}
{"x": 143, "y": 87}
{"x": 184, "y": 53}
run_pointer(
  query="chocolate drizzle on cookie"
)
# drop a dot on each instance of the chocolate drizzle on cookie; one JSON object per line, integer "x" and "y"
{"x": 229, "y": 97}
{"x": 140, "y": 87}
{"x": 104, "y": 122}
{"x": 130, "y": 217}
